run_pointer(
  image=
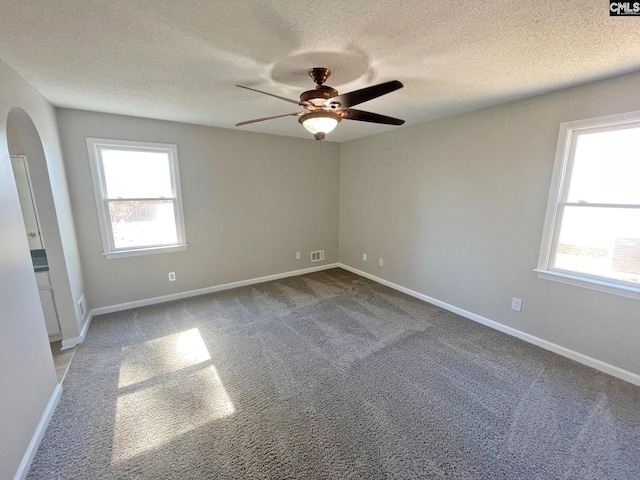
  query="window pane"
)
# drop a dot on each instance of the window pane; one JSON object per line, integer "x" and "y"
{"x": 600, "y": 241}
{"x": 143, "y": 223}
{"x": 135, "y": 174}
{"x": 606, "y": 167}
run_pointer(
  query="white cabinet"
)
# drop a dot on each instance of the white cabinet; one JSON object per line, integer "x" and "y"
{"x": 42, "y": 280}
{"x": 48, "y": 302}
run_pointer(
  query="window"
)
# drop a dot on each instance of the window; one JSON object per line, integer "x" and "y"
{"x": 137, "y": 189}
{"x": 592, "y": 228}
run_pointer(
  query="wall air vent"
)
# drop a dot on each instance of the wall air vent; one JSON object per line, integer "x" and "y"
{"x": 317, "y": 256}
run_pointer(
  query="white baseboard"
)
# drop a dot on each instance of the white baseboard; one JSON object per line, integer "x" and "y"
{"x": 559, "y": 349}
{"x": 27, "y": 458}
{"x": 203, "y": 291}
{"x": 72, "y": 342}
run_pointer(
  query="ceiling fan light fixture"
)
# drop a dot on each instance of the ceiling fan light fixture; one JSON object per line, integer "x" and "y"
{"x": 320, "y": 122}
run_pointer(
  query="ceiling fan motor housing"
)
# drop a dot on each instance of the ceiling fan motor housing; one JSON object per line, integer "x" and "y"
{"x": 322, "y": 92}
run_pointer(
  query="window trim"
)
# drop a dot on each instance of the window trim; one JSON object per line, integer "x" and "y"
{"x": 559, "y": 183}
{"x": 99, "y": 188}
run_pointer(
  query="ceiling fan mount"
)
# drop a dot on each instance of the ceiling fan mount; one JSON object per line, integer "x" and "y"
{"x": 324, "y": 107}
{"x": 319, "y": 74}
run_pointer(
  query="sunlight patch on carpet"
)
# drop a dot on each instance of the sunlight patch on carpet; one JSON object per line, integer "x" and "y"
{"x": 161, "y": 356}
{"x": 168, "y": 388}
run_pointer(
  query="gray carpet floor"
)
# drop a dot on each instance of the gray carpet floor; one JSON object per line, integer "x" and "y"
{"x": 329, "y": 375}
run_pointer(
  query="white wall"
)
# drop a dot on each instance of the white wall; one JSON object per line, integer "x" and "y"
{"x": 456, "y": 209}
{"x": 250, "y": 202}
{"x": 27, "y": 375}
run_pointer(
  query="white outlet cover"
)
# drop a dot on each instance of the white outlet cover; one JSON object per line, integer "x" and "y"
{"x": 82, "y": 306}
{"x": 364, "y": 257}
{"x": 172, "y": 276}
{"x": 516, "y": 304}
{"x": 298, "y": 256}
{"x": 381, "y": 262}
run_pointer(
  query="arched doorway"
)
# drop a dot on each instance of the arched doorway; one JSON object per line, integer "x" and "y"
{"x": 31, "y": 174}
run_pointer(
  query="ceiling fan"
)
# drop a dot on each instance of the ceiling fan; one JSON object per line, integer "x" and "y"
{"x": 324, "y": 108}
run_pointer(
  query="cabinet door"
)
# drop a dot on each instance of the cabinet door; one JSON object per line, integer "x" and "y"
{"x": 49, "y": 310}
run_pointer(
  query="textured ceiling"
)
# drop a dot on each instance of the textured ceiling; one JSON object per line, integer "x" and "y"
{"x": 180, "y": 60}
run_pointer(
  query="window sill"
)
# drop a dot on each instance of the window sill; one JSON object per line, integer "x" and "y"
{"x": 590, "y": 283}
{"x": 145, "y": 251}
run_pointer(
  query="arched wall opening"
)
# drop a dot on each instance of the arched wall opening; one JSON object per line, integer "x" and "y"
{"x": 42, "y": 231}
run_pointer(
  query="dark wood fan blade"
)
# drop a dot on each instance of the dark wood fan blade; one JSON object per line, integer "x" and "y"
{"x": 271, "y": 95}
{"x": 297, "y": 114}
{"x": 350, "y": 99}
{"x": 361, "y": 115}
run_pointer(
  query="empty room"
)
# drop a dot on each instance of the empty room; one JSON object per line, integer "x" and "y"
{"x": 346, "y": 240}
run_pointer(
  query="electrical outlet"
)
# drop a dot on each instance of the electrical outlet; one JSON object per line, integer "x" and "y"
{"x": 364, "y": 257}
{"x": 381, "y": 262}
{"x": 172, "y": 276}
{"x": 298, "y": 256}
{"x": 82, "y": 306}
{"x": 516, "y": 304}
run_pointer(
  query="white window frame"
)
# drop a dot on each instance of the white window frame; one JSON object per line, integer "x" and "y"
{"x": 557, "y": 195}
{"x": 94, "y": 146}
